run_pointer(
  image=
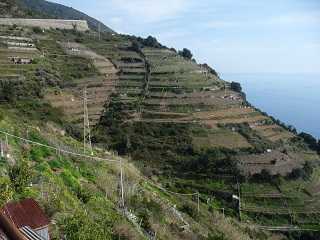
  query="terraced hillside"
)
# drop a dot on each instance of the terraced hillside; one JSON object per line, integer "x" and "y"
{"x": 181, "y": 124}
{"x": 96, "y": 88}
{"x": 80, "y": 193}
{"x": 186, "y": 122}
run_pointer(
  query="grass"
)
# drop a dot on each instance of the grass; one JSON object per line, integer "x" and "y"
{"x": 221, "y": 138}
{"x": 294, "y": 200}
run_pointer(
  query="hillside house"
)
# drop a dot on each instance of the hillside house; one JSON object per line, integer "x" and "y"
{"x": 21, "y": 60}
{"x": 28, "y": 217}
{"x": 8, "y": 231}
{"x": 75, "y": 50}
{"x": 21, "y": 44}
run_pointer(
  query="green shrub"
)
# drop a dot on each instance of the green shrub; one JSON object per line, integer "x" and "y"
{"x": 83, "y": 194}
{"x": 186, "y": 53}
{"x": 8, "y": 91}
{"x": 37, "y": 30}
{"x": 6, "y": 191}
{"x": 80, "y": 226}
{"x": 144, "y": 216}
{"x": 55, "y": 164}
{"x": 38, "y": 154}
{"x": 190, "y": 210}
{"x": 235, "y": 86}
{"x": 70, "y": 180}
{"x": 20, "y": 176}
{"x": 216, "y": 236}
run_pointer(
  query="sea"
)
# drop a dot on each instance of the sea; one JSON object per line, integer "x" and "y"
{"x": 292, "y": 98}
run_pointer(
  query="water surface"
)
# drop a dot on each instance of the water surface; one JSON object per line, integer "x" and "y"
{"x": 292, "y": 98}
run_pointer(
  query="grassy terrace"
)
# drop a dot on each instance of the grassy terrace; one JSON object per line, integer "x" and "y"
{"x": 287, "y": 203}
{"x": 167, "y": 67}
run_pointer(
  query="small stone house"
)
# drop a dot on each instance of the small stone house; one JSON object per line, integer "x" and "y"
{"x": 20, "y": 60}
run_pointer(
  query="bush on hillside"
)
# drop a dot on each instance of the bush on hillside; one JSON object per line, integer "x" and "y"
{"x": 136, "y": 46}
{"x": 235, "y": 86}
{"x": 186, "y": 53}
{"x": 6, "y": 191}
{"x": 37, "y": 30}
{"x": 311, "y": 141}
{"x": 151, "y": 42}
{"x": 190, "y": 210}
{"x": 146, "y": 42}
{"x": 217, "y": 236}
{"x": 8, "y": 91}
{"x": 265, "y": 176}
{"x": 302, "y": 173}
{"x": 80, "y": 226}
{"x": 20, "y": 176}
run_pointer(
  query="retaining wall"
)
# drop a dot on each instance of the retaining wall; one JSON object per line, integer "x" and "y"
{"x": 80, "y": 25}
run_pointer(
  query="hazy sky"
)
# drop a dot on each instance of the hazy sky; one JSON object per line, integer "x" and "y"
{"x": 233, "y": 36}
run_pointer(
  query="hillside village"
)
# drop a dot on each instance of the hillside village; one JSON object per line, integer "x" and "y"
{"x": 118, "y": 137}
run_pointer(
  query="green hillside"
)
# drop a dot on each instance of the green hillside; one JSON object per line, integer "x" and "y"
{"x": 190, "y": 143}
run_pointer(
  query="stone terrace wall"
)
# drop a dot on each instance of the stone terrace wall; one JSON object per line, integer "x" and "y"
{"x": 81, "y": 25}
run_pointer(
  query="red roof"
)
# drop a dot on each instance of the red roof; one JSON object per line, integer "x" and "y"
{"x": 26, "y": 213}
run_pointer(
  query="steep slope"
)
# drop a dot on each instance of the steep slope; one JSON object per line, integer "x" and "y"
{"x": 183, "y": 126}
{"x": 81, "y": 194}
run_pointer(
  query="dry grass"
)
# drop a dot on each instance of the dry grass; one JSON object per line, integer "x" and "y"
{"x": 273, "y": 132}
{"x": 276, "y": 162}
{"x": 222, "y": 138}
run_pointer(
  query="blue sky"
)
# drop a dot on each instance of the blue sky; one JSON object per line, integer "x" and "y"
{"x": 233, "y": 36}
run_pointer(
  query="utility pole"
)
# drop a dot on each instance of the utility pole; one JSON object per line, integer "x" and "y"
{"x": 239, "y": 194}
{"x": 121, "y": 184}
{"x": 198, "y": 195}
{"x": 2, "y": 152}
{"x": 99, "y": 29}
{"x": 86, "y": 124}
{"x": 225, "y": 89}
{"x": 7, "y": 142}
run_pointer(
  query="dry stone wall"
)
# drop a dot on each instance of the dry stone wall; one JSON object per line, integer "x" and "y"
{"x": 80, "y": 25}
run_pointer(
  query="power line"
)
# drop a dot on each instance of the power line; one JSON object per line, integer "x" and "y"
{"x": 121, "y": 183}
{"x": 86, "y": 124}
{"x": 56, "y": 149}
{"x": 99, "y": 29}
{"x": 163, "y": 189}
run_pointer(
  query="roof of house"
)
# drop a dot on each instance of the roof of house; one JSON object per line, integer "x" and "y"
{"x": 26, "y": 213}
{"x": 30, "y": 234}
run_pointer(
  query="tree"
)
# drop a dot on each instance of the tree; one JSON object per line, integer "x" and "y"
{"x": 310, "y": 140}
{"x": 136, "y": 46}
{"x": 296, "y": 174}
{"x": 151, "y": 42}
{"x": 235, "y": 86}
{"x": 308, "y": 169}
{"x": 186, "y": 53}
{"x": 7, "y": 91}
